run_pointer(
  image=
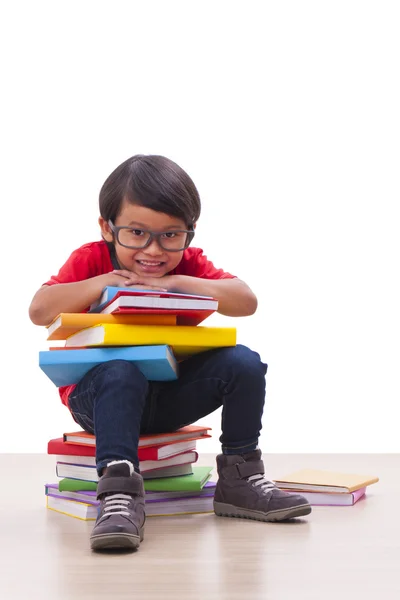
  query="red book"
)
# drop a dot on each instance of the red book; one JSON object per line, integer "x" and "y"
{"x": 190, "y": 317}
{"x": 62, "y": 449}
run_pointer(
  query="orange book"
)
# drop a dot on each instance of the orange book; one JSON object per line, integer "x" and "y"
{"x": 189, "y": 432}
{"x": 67, "y": 324}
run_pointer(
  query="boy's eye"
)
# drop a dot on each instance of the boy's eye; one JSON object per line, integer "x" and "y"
{"x": 170, "y": 234}
{"x": 137, "y": 232}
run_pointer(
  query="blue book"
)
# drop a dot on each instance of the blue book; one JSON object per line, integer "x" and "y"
{"x": 66, "y": 367}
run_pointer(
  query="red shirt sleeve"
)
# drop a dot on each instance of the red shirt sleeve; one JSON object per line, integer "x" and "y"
{"x": 87, "y": 261}
{"x": 196, "y": 264}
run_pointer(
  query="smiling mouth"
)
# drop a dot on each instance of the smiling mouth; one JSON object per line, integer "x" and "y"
{"x": 150, "y": 263}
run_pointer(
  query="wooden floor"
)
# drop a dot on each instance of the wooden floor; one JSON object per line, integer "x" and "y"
{"x": 334, "y": 553}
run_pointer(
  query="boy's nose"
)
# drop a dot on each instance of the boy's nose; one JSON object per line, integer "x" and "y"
{"x": 154, "y": 249}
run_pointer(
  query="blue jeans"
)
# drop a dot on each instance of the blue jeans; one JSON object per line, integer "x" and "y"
{"x": 117, "y": 403}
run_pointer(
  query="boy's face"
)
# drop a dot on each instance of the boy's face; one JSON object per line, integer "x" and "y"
{"x": 152, "y": 261}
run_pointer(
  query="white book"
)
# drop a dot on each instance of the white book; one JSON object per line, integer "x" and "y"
{"x": 87, "y": 473}
{"x": 160, "y": 303}
{"x": 79, "y": 510}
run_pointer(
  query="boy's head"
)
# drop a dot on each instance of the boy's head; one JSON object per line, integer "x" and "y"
{"x": 149, "y": 194}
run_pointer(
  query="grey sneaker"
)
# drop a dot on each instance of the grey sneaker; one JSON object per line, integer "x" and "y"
{"x": 242, "y": 491}
{"x": 120, "y": 522}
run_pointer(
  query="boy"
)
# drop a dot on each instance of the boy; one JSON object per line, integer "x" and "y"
{"x": 149, "y": 208}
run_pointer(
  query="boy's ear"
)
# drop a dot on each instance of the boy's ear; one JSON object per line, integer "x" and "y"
{"x": 106, "y": 232}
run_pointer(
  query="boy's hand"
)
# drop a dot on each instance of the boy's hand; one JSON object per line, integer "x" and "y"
{"x": 130, "y": 279}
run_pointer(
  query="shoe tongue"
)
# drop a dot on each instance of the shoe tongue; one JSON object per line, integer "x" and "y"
{"x": 118, "y": 470}
{"x": 253, "y": 455}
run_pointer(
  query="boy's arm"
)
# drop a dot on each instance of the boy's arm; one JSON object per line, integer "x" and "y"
{"x": 235, "y": 298}
{"x": 51, "y": 300}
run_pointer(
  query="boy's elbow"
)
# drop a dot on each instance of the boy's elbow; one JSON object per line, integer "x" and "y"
{"x": 37, "y": 315}
{"x": 251, "y": 305}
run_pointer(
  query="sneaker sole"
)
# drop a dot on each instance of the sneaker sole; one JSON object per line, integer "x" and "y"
{"x": 114, "y": 541}
{"x": 228, "y": 510}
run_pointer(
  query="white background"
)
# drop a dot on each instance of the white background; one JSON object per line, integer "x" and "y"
{"x": 286, "y": 116}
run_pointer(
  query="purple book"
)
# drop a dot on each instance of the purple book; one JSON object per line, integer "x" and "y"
{"x": 89, "y": 497}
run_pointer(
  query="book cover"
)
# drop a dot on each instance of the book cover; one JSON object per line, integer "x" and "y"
{"x": 79, "y": 510}
{"x": 89, "y": 473}
{"x": 151, "y": 439}
{"x": 71, "y": 453}
{"x": 68, "y": 323}
{"x": 66, "y": 367}
{"x": 183, "y": 317}
{"x": 183, "y": 506}
{"x": 89, "y": 496}
{"x": 58, "y": 446}
{"x": 331, "y": 499}
{"x": 153, "y": 299}
{"x": 76, "y": 485}
{"x": 195, "y": 503}
{"x": 85, "y": 467}
{"x": 187, "y": 483}
{"x": 183, "y": 340}
{"x": 324, "y": 481}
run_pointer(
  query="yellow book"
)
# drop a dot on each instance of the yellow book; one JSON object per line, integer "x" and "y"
{"x": 314, "y": 480}
{"x": 67, "y": 324}
{"x": 184, "y": 340}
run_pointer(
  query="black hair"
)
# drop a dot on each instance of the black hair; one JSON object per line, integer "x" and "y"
{"x": 154, "y": 182}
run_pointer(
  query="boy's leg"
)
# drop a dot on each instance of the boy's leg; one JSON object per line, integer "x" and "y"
{"x": 233, "y": 378}
{"x": 109, "y": 401}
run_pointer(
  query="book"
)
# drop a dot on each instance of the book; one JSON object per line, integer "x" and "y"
{"x": 79, "y": 510}
{"x": 89, "y": 462}
{"x": 89, "y": 496}
{"x": 196, "y": 502}
{"x": 184, "y": 506}
{"x": 183, "y": 316}
{"x": 208, "y": 488}
{"x": 85, "y": 496}
{"x": 192, "y": 482}
{"x": 76, "y": 485}
{"x": 315, "y": 480}
{"x": 79, "y": 454}
{"x": 169, "y": 467}
{"x": 150, "y": 439}
{"x": 331, "y": 499}
{"x": 153, "y": 299}
{"x": 183, "y": 340}
{"x": 68, "y": 323}
{"x": 58, "y": 446}
{"x": 66, "y": 367}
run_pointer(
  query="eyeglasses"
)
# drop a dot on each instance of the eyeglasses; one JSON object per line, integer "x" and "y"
{"x": 134, "y": 237}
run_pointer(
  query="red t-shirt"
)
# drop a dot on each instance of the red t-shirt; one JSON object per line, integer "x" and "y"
{"x": 94, "y": 259}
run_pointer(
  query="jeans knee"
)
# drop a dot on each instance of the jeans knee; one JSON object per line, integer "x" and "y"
{"x": 243, "y": 359}
{"x": 120, "y": 373}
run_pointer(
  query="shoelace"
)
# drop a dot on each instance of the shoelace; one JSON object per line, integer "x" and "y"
{"x": 117, "y": 504}
{"x": 265, "y": 485}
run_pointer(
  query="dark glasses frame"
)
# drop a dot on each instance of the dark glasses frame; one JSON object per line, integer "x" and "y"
{"x": 153, "y": 236}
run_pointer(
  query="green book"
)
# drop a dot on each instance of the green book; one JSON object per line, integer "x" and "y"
{"x": 183, "y": 483}
{"x": 76, "y": 485}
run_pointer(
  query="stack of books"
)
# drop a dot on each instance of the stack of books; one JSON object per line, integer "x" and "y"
{"x": 154, "y": 330}
{"x": 327, "y": 488}
{"x": 172, "y": 484}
